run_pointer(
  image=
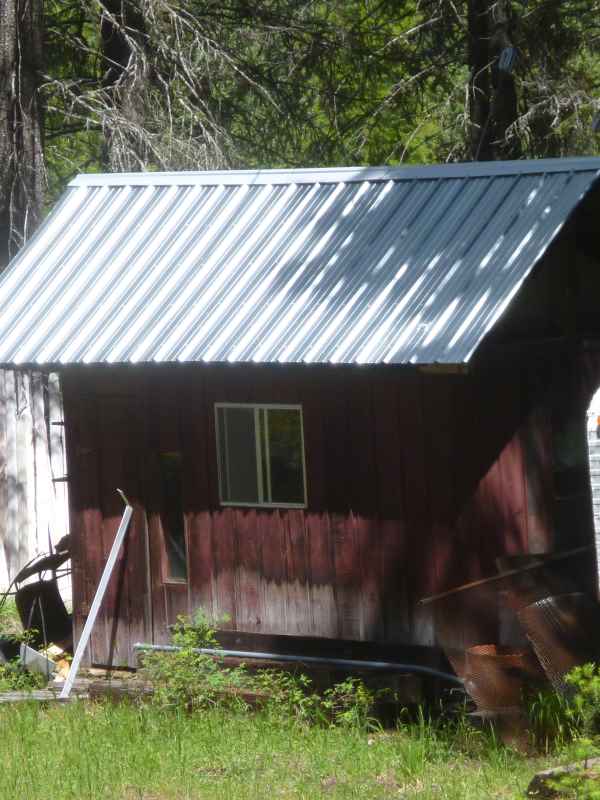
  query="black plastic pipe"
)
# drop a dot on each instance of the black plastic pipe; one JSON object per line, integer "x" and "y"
{"x": 349, "y": 663}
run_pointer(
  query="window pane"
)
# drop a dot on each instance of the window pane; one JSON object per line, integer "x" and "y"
{"x": 285, "y": 456}
{"x": 172, "y": 514}
{"x": 237, "y": 455}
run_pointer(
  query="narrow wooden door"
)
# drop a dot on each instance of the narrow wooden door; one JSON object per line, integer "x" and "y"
{"x": 167, "y": 527}
{"x": 126, "y": 610}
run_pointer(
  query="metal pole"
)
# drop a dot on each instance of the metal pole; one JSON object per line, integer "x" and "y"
{"x": 98, "y": 597}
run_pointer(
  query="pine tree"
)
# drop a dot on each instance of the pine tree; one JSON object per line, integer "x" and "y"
{"x": 21, "y": 123}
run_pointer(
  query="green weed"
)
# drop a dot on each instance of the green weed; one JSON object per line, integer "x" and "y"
{"x": 568, "y": 724}
{"x": 553, "y": 721}
{"x": 13, "y": 678}
{"x": 584, "y": 682}
{"x": 190, "y": 680}
{"x": 12, "y": 675}
{"x": 10, "y": 622}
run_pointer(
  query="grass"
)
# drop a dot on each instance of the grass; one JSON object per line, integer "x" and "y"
{"x": 10, "y": 623}
{"x": 88, "y": 751}
{"x": 92, "y": 752}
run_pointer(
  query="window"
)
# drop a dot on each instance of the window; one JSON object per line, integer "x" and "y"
{"x": 172, "y": 519}
{"x": 261, "y": 455}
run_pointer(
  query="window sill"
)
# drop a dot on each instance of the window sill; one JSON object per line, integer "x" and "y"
{"x": 300, "y": 506}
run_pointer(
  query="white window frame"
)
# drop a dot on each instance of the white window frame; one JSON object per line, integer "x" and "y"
{"x": 258, "y": 407}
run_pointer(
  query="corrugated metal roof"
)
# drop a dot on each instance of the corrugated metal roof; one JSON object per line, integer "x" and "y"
{"x": 377, "y": 265}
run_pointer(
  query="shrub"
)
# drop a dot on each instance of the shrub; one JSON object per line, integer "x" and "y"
{"x": 581, "y": 712}
{"x": 287, "y": 694}
{"x": 351, "y": 703}
{"x": 585, "y": 701}
{"x": 14, "y": 678}
{"x": 187, "y": 679}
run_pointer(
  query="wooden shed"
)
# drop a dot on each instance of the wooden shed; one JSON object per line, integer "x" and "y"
{"x": 328, "y": 393}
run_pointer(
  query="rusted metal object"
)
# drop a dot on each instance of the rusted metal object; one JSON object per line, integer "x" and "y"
{"x": 42, "y": 611}
{"x": 487, "y": 610}
{"x": 39, "y": 604}
{"x": 494, "y": 676}
{"x": 466, "y": 620}
{"x": 564, "y": 631}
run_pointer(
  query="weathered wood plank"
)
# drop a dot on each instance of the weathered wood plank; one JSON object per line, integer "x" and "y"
{"x": 323, "y": 608}
{"x": 405, "y": 477}
{"x": 197, "y": 491}
{"x": 86, "y": 517}
{"x": 298, "y": 619}
{"x": 248, "y": 569}
{"x": 274, "y": 573}
{"x": 5, "y": 530}
{"x": 224, "y": 556}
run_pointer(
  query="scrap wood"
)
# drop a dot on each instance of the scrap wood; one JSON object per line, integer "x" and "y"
{"x": 120, "y": 691}
{"x": 53, "y": 652}
{"x": 117, "y": 691}
{"x": 38, "y": 695}
{"x": 549, "y": 558}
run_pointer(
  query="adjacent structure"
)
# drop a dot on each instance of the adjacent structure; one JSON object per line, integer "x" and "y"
{"x": 329, "y": 393}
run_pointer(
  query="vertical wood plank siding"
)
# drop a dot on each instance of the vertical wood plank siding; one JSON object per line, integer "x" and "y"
{"x": 33, "y": 506}
{"x": 415, "y": 484}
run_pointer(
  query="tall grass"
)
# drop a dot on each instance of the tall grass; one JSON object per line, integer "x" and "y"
{"x": 552, "y": 723}
{"x": 93, "y": 752}
{"x": 9, "y": 618}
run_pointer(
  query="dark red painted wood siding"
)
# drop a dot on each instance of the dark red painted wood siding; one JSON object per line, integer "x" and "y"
{"x": 416, "y": 483}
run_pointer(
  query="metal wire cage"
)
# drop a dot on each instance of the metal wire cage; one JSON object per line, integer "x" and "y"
{"x": 564, "y": 631}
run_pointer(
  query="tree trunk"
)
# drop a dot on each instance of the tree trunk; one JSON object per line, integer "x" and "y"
{"x": 492, "y": 93}
{"x": 504, "y": 102}
{"x": 21, "y": 151}
{"x": 480, "y": 139}
{"x": 121, "y": 36}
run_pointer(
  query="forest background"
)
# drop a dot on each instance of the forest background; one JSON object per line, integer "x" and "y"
{"x": 113, "y": 85}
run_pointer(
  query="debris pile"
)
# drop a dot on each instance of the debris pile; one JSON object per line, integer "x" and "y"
{"x": 61, "y": 661}
{"x": 525, "y": 627}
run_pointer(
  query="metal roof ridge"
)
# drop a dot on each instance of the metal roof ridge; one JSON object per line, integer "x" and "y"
{"x": 467, "y": 169}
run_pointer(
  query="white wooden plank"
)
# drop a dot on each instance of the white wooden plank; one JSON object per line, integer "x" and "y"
{"x": 11, "y": 542}
{"x": 4, "y": 579}
{"x": 33, "y": 507}
{"x": 27, "y": 534}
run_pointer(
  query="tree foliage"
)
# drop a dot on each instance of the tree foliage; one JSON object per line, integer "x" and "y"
{"x": 201, "y": 84}
{"x": 204, "y": 84}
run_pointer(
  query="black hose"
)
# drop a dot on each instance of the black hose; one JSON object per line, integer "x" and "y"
{"x": 382, "y": 666}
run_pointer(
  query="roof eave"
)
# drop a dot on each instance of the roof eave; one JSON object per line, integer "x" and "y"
{"x": 468, "y": 169}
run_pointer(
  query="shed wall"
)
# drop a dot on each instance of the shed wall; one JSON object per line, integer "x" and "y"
{"x": 416, "y": 483}
{"x": 33, "y": 494}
